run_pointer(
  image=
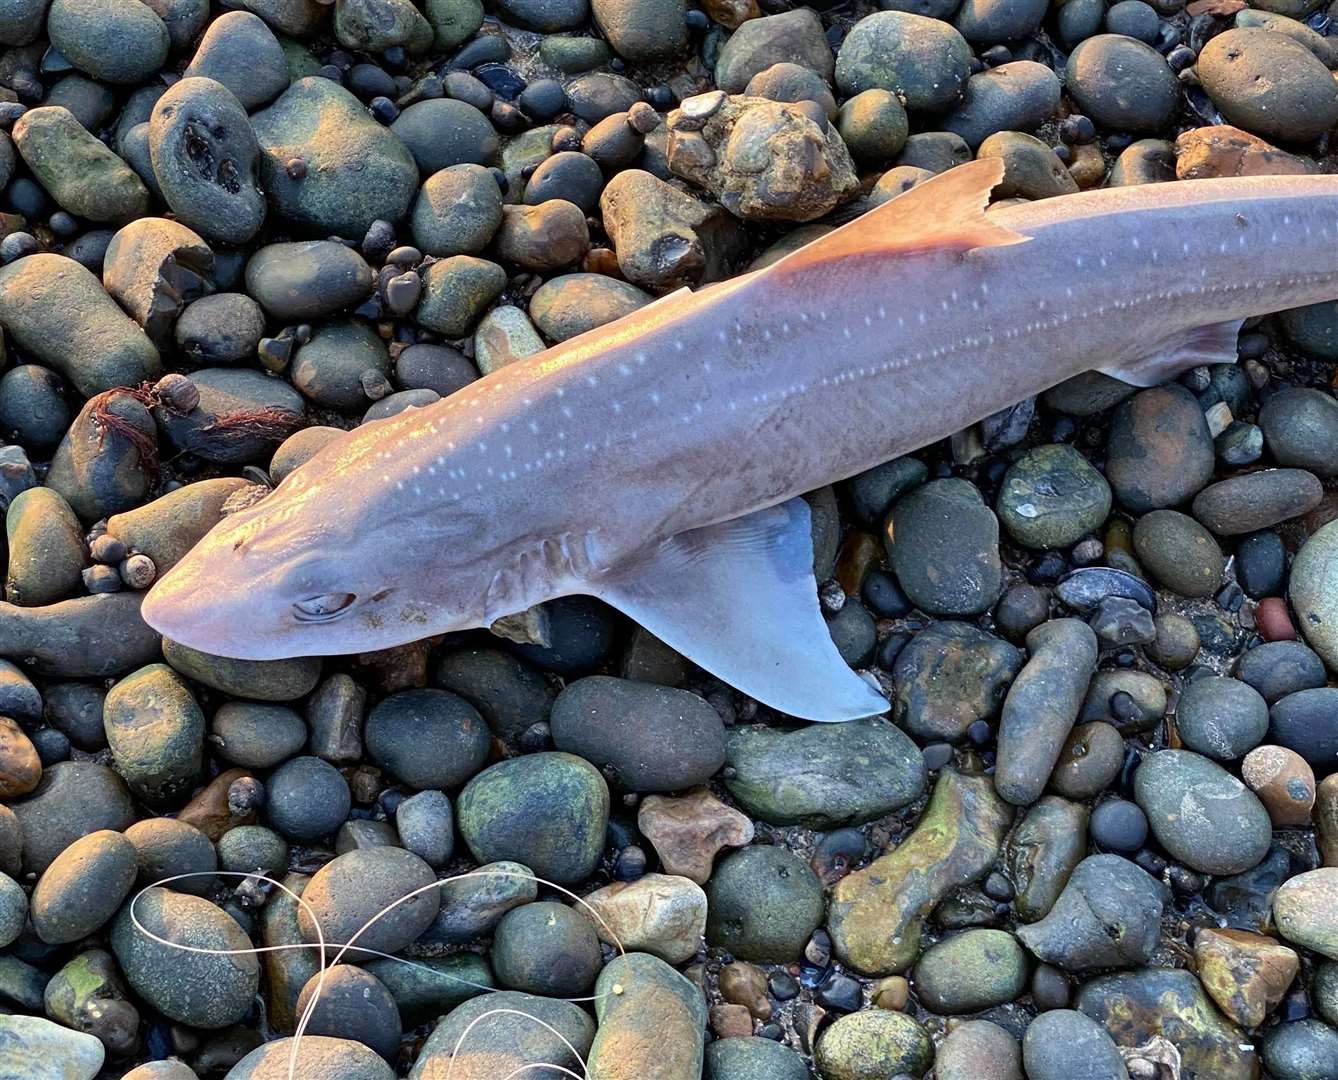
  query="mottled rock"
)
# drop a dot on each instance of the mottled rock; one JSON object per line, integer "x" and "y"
{"x": 653, "y": 1030}
{"x": 1135, "y": 1006}
{"x": 949, "y": 676}
{"x": 688, "y": 832}
{"x": 763, "y": 160}
{"x": 659, "y": 914}
{"x": 877, "y": 913}
{"x": 1246, "y": 974}
{"x": 822, "y": 776}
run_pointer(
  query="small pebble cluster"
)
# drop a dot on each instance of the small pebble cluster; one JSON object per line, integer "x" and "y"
{"x": 1095, "y": 837}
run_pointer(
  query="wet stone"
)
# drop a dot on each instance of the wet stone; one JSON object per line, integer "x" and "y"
{"x": 1221, "y": 718}
{"x": 546, "y": 810}
{"x": 688, "y": 832}
{"x": 1258, "y": 500}
{"x": 949, "y": 676}
{"x": 1313, "y": 589}
{"x": 1246, "y": 974}
{"x": 660, "y": 914}
{"x": 1062, "y": 1043}
{"x": 1305, "y": 911}
{"x": 119, "y": 41}
{"x": 1041, "y": 707}
{"x": 978, "y": 1050}
{"x": 1179, "y": 552}
{"x": 873, "y": 1041}
{"x": 1042, "y": 852}
{"x": 347, "y": 891}
{"x": 876, "y": 914}
{"x": 971, "y": 971}
{"x": 614, "y": 723}
{"x": 792, "y": 36}
{"x": 208, "y": 991}
{"x": 1051, "y": 497}
{"x": 206, "y": 160}
{"x": 356, "y": 171}
{"x": 499, "y": 1042}
{"x": 1135, "y": 1006}
{"x": 58, "y": 311}
{"x": 1284, "y": 782}
{"x": 945, "y": 524}
{"x": 925, "y": 61}
{"x": 823, "y": 777}
{"x": 1108, "y": 915}
{"x": 1122, "y": 83}
{"x": 1307, "y": 722}
{"x": 1090, "y": 759}
{"x": 1160, "y": 452}
{"x": 1301, "y": 429}
{"x": 653, "y": 1030}
{"x": 1295, "y": 104}
{"x": 763, "y": 903}
{"x": 1278, "y": 668}
{"x": 472, "y": 905}
{"x": 81, "y": 174}
{"x": 1201, "y": 814}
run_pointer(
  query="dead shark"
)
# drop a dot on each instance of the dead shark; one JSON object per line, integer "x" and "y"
{"x": 657, "y": 462}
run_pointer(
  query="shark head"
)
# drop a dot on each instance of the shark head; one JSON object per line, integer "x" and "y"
{"x": 332, "y": 561}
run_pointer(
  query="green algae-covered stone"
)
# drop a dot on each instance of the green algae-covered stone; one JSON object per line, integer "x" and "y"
{"x": 971, "y": 971}
{"x": 81, "y": 174}
{"x": 824, "y": 776}
{"x": 873, "y": 1044}
{"x": 1134, "y": 1006}
{"x": 548, "y": 811}
{"x": 356, "y": 171}
{"x": 155, "y": 729}
{"x": 876, "y": 914}
{"x": 58, "y": 312}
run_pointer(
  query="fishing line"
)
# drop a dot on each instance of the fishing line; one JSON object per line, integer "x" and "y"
{"x": 350, "y": 945}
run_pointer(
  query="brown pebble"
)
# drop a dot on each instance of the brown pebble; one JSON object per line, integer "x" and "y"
{"x": 296, "y": 168}
{"x": 731, "y": 1021}
{"x": 208, "y": 811}
{"x": 743, "y": 984}
{"x": 1273, "y": 621}
{"x": 20, "y": 767}
{"x": 1245, "y": 973}
{"x": 1223, "y": 150}
{"x": 1326, "y": 819}
{"x": 1087, "y": 166}
{"x": 860, "y": 553}
{"x": 1283, "y": 781}
{"x": 892, "y": 993}
{"x": 687, "y": 832}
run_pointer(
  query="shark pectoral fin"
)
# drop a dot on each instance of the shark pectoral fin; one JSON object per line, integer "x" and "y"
{"x": 739, "y": 600}
{"x": 945, "y": 213}
{"x": 1214, "y": 343}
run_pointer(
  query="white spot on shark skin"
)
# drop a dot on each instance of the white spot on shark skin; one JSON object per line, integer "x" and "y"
{"x": 654, "y": 397}
{"x": 623, "y": 369}
{"x": 1184, "y": 248}
{"x": 722, "y": 335}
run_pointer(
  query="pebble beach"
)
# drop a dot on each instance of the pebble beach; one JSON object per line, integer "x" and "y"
{"x": 1094, "y": 836}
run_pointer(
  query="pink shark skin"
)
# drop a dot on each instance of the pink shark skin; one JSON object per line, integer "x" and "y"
{"x": 559, "y": 473}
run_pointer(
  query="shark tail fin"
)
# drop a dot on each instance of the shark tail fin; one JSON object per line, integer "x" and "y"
{"x": 946, "y": 213}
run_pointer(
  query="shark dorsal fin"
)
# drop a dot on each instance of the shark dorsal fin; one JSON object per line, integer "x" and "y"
{"x": 945, "y": 213}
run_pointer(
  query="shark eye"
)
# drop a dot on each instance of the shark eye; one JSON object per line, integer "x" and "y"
{"x": 324, "y": 607}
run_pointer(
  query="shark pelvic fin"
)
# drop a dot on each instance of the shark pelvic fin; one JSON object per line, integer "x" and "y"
{"x": 1211, "y": 344}
{"x": 739, "y": 599}
{"x": 945, "y": 213}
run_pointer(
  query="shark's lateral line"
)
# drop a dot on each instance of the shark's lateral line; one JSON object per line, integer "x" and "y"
{"x": 656, "y": 462}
